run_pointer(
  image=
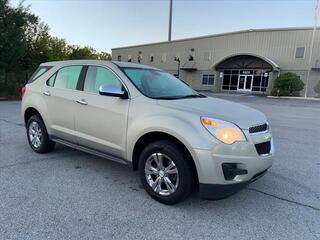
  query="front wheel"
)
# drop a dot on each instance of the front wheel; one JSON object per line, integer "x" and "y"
{"x": 38, "y": 136}
{"x": 166, "y": 172}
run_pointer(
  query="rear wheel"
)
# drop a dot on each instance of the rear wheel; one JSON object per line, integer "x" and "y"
{"x": 166, "y": 172}
{"x": 38, "y": 136}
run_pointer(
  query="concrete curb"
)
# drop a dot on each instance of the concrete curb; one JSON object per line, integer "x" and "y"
{"x": 297, "y": 98}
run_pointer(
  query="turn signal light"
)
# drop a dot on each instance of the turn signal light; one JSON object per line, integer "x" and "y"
{"x": 209, "y": 122}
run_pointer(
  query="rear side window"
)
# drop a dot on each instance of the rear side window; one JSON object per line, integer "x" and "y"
{"x": 40, "y": 71}
{"x": 98, "y": 76}
{"x": 66, "y": 77}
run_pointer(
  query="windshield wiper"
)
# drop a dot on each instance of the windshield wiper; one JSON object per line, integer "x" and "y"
{"x": 181, "y": 97}
{"x": 192, "y": 96}
{"x": 168, "y": 97}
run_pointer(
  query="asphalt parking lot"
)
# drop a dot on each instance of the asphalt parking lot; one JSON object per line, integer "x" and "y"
{"x": 68, "y": 194}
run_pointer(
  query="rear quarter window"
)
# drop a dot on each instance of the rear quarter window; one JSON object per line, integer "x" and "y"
{"x": 39, "y": 72}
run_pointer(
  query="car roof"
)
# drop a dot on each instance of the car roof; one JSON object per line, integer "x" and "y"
{"x": 133, "y": 65}
{"x": 98, "y": 62}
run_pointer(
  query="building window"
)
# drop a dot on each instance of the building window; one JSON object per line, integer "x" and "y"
{"x": 300, "y": 52}
{"x": 164, "y": 57}
{"x": 151, "y": 58}
{"x": 129, "y": 58}
{"x": 119, "y": 58}
{"x": 207, "y": 79}
{"x": 260, "y": 79}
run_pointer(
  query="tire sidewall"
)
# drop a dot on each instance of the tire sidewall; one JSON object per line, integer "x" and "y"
{"x": 45, "y": 139}
{"x": 180, "y": 160}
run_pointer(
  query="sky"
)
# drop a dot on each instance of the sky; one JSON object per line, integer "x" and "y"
{"x": 106, "y": 24}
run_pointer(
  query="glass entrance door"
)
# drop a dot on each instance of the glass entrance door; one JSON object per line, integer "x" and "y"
{"x": 245, "y": 82}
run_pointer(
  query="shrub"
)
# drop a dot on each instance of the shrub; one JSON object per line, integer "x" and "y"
{"x": 288, "y": 84}
{"x": 317, "y": 88}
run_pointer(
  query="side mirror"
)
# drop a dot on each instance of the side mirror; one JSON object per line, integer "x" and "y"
{"x": 113, "y": 91}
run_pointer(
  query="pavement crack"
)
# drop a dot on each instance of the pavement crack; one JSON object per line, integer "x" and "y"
{"x": 284, "y": 199}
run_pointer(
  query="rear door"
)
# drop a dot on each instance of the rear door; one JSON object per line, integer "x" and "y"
{"x": 61, "y": 95}
{"x": 101, "y": 121}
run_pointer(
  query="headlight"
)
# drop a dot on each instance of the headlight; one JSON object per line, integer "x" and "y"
{"x": 224, "y": 131}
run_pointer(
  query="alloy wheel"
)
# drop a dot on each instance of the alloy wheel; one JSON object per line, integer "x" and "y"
{"x": 161, "y": 174}
{"x": 35, "y": 134}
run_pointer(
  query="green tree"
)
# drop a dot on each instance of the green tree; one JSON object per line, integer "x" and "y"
{"x": 77, "y": 52}
{"x": 25, "y": 43}
{"x": 317, "y": 88}
{"x": 12, "y": 22}
{"x": 103, "y": 56}
{"x": 58, "y": 49}
{"x": 36, "y": 42}
{"x": 288, "y": 84}
{"x": 12, "y": 46}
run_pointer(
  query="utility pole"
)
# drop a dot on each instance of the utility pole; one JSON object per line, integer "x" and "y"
{"x": 316, "y": 15}
{"x": 170, "y": 21}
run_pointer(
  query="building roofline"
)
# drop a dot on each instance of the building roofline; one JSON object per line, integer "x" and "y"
{"x": 275, "y": 66}
{"x": 219, "y": 35}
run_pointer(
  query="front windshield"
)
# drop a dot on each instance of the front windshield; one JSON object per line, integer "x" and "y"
{"x": 159, "y": 84}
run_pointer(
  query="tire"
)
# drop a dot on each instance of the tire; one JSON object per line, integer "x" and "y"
{"x": 37, "y": 135}
{"x": 180, "y": 173}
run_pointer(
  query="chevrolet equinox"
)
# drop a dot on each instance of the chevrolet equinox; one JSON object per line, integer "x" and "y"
{"x": 176, "y": 138}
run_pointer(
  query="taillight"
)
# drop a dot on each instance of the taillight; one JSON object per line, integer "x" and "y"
{"x": 23, "y": 90}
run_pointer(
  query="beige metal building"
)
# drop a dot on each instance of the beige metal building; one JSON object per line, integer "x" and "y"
{"x": 244, "y": 61}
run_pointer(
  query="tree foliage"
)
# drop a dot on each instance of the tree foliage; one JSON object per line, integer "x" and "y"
{"x": 287, "y": 84}
{"x": 25, "y": 42}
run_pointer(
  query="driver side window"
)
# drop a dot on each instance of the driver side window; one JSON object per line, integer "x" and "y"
{"x": 99, "y": 76}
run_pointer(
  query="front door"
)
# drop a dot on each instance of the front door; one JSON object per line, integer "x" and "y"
{"x": 245, "y": 82}
{"x": 101, "y": 121}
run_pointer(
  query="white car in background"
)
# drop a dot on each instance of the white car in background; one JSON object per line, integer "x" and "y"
{"x": 146, "y": 118}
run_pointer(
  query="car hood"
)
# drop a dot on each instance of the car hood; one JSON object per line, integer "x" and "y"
{"x": 236, "y": 113}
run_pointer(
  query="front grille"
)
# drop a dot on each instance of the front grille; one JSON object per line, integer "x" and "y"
{"x": 263, "y": 148}
{"x": 259, "y": 128}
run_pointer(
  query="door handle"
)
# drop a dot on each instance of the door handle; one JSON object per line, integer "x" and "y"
{"x": 47, "y": 93}
{"x": 82, "y": 102}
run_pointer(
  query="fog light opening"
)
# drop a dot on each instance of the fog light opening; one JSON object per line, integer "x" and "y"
{"x": 231, "y": 170}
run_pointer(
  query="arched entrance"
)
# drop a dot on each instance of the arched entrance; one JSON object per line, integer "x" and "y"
{"x": 246, "y": 73}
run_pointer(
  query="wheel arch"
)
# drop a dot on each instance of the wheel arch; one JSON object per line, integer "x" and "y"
{"x": 29, "y": 112}
{"x": 150, "y": 137}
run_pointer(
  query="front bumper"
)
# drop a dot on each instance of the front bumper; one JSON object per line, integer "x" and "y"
{"x": 220, "y": 191}
{"x": 213, "y": 182}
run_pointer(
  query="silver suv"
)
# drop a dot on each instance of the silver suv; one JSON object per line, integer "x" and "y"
{"x": 146, "y": 118}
